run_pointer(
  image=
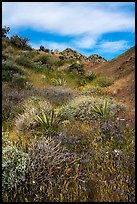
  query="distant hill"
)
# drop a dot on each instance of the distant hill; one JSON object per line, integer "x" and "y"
{"x": 118, "y": 67}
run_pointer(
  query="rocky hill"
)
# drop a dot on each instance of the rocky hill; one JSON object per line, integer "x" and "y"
{"x": 95, "y": 59}
{"x": 73, "y": 54}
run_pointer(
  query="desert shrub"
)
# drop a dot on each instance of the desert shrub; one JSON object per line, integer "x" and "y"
{"x": 5, "y": 43}
{"x": 52, "y": 60}
{"x": 46, "y": 59}
{"x": 9, "y": 53}
{"x": 20, "y": 42}
{"x": 43, "y": 58}
{"x": 64, "y": 62}
{"x": 14, "y": 169}
{"x": 11, "y": 107}
{"x": 5, "y": 56}
{"x": 90, "y": 76}
{"x": 9, "y": 68}
{"x": 104, "y": 81}
{"x": 58, "y": 96}
{"x": 24, "y": 60}
{"x": 54, "y": 172}
{"x": 5, "y": 137}
{"x": 26, "y": 122}
{"x": 102, "y": 110}
{"x": 81, "y": 81}
{"x": 61, "y": 62}
{"x": 48, "y": 173}
{"x": 77, "y": 67}
{"x": 81, "y": 108}
{"x": 92, "y": 91}
{"x": 20, "y": 82}
{"x": 43, "y": 68}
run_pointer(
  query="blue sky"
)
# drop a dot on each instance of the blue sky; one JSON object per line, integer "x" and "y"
{"x": 104, "y": 28}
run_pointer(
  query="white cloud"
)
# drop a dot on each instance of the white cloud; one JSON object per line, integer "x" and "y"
{"x": 68, "y": 18}
{"x": 85, "y": 42}
{"x": 113, "y": 46}
{"x": 86, "y": 22}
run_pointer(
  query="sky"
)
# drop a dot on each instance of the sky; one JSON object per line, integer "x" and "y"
{"x": 103, "y": 28}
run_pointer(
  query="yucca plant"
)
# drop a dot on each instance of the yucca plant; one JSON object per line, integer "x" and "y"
{"x": 47, "y": 121}
{"x": 102, "y": 110}
{"x": 59, "y": 82}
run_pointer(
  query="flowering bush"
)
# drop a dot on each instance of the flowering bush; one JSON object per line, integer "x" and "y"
{"x": 14, "y": 169}
{"x": 81, "y": 108}
{"x": 105, "y": 155}
{"x": 26, "y": 121}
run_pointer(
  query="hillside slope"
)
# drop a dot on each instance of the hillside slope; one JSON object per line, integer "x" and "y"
{"x": 118, "y": 67}
{"x": 122, "y": 70}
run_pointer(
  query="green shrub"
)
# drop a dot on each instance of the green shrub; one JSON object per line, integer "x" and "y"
{"x": 5, "y": 43}
{"x": 9, "y": 53}
{"x": 81, "y": 81}
{"x": 26, "y": 122}
{"x": 43, "y": 58}
{"x": 93, "y": 91}
{"x": 20, "y": 82}
{"x": 46, "y": 59}
{"x": 60, "y": 63}
{"x": 77, "y": 67}
{"x": 11, "y": 106}
{"x": 5, "y": 56}
{"x": 52, "y": 60}
{"x": 104, "y": 81}
{"x": 81, "y": 108}
{"x": 9, "y": 68}
{"x": 14, "y": 170}
{"x": 24, "y": 60}
{"x": 90, "y": 76}
{"x": 20, "y": 42}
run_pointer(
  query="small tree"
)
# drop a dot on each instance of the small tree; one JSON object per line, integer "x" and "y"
{"x": 42, "y": 48}
{"x": 20, "y": 42}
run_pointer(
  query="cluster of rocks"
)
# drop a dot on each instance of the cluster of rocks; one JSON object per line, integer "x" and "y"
{"x": 73, "y": 54}
{"x": 96, "y": 59}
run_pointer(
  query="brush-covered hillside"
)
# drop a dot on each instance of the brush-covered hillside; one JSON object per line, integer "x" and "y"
{"x": 66, "y": 134}
{"x": 122, "y": 71}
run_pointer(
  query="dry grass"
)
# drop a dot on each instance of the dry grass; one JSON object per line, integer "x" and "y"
{"x": 38, "y": 80}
